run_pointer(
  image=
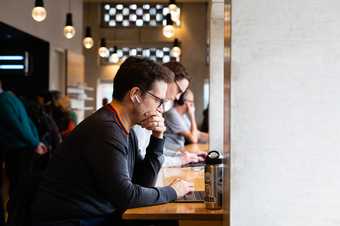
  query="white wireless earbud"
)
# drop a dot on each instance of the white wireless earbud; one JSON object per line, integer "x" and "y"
{"x": 136, "y": 98}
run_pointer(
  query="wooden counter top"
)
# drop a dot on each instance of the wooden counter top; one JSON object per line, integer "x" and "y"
{"x": 186, "y": 213}
{"x": 195, "y": 148}
{"x": 174, "y": 211}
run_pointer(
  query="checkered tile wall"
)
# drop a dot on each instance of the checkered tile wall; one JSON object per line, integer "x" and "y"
{"x": 161, "y": 55}
{"x": 127, "y": 15}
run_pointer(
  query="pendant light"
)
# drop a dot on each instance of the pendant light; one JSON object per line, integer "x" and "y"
{"x": 174, "y": 10}
{"x": 114, "y": 58}
{"x": 103, "y": 50}
{"x": 69, "y": 30}
{"x": 168, "y": 29}
{"x": 176, "y": 49}
{"x": 39, "y": 12}
{"x": 88, "y": 40}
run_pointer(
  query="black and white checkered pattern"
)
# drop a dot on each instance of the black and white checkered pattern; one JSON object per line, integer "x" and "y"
{"x": 161, "y": 54}
{"x": 126, "y": 15}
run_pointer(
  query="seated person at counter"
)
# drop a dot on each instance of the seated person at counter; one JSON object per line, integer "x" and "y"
{"x": 181, "y": 123}
{"x": 97, "y": 172}
{"x": 174, "y": 91}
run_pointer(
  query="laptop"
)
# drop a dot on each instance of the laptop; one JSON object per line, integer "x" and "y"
{"x": 195, "y": 196}
{"x": 194, "y": 164}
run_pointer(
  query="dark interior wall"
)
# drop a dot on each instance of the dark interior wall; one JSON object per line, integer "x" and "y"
{"x": 37, "y": 80}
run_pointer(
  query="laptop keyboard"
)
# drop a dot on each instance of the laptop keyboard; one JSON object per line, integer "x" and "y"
{"x": 194, "y": 164}
{"x": 196, "y": 196}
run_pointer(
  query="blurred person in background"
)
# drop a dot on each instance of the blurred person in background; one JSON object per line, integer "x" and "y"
{"x": 20, "y": 140}
{"x": 205, "y": 121}
{"x": 47, "y": 128}
{"x": 105, "y": 101}
{"x": 181, "y": 123}
{"x": 58, "y": 107}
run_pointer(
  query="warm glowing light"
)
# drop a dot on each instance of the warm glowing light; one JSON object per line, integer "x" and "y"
{"x": 168, "y": 31}
{"x": 114, "y": 58}
{"x": 103, "y": 52}
{"x": 175, "y": 51}
{"x": 69, "y": 32}
{"x": 88, "y": 42}
{"x": 39, "y": 13}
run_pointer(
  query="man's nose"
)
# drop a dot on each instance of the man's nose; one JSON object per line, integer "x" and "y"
{"x": 160, "y": 109}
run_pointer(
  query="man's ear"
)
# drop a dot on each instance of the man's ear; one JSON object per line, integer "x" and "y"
{"x": 134, "y": 95}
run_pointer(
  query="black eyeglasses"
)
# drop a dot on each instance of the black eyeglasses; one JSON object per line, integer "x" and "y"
{"x": 179, "y": 88}
{"x": 158, "y": 99}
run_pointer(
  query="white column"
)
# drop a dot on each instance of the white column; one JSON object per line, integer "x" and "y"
{"x": 285, "y": 113}
{"x": 216, "y": 69}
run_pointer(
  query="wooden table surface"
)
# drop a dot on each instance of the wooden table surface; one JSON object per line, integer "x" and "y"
{"x": 191, "y": 174}
{"x": 174, "y": 211}
{"x": 195, "y": 148}
{"x": 179, "y": 211}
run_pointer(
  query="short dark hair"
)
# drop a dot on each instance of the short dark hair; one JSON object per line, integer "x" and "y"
{"x": 178, "y": 69}
{"x": 139, "y": 72}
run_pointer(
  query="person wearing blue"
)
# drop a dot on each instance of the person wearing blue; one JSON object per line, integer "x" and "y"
{"x": 19, "y": 139}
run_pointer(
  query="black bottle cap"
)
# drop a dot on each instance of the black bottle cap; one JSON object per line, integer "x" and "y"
{"x": 213, "y": 158}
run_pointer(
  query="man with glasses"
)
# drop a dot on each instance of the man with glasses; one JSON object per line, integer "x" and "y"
{"x": 98, "y": 172}
{"x": 174, "y": 91}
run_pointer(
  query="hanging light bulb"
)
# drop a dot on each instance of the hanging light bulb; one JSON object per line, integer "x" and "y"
{"x": 114, "y": 58}
{"x": 168, "y": 29}
{"x": 174, "y": 10}
{"x": 176, "y": 49}
{"x": 69, "y": 30}
{"x": 88, "y": 40}
{"x": 103, "y": 50}
{"x": 39, "y": 12}
{"x": 172, "y": 5}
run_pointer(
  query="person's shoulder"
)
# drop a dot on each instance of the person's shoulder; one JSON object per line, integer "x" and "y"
{"x": 171, "y": 113}
{"x": 8, "y": 98}
{"x": 101, "y": 125}
{"x": 111, "y": 124}
{"x": 8, "y": 95}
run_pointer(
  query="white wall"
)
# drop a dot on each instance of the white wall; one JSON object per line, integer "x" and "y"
{"x": 216, "y": 38}
{"x": 285, "y": 116}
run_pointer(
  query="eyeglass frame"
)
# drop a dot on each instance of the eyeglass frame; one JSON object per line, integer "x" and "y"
{"x": 180, "y": 89}
{"x": 160, "y": 100}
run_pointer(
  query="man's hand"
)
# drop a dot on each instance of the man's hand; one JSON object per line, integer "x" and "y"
{"x": 182, "y": 187}
{"x": 188, "y": 157}
{"x": 154, "y": 121}
{"x": 41, "y": 149}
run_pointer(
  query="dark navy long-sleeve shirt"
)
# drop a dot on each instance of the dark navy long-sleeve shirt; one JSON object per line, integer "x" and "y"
{"x": 98, "y": 170}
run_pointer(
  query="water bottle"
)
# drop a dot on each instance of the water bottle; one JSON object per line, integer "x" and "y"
{"x": 213, "y": 179}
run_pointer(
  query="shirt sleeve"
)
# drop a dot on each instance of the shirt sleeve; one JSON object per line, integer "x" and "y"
{"x": 15, "y": 118}
{"x": 174, "y": 122}
{"x": 147, "y": 168}
{"x": 110, "y": 167}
